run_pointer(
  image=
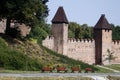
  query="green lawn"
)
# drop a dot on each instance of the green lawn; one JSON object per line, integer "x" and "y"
{"x": 45, "y": 78}
{"x": 114, "y": 66}
{"x": 102, "y": 70}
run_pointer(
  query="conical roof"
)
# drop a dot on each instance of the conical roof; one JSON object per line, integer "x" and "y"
{"x": 60, "y": 16}
{"x": 102, "y": 23}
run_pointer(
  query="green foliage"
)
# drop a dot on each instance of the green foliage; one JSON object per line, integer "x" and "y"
{"x": 3, "y": 43}
{"x": 110, "y": 56}
{"x": 15, "y": 60}
{"x": 114, "y": 66}
{"x": 79, "y": 31}
{"x": 84, "y": 31}
{"x": 23, "y": 11}
{"x": 116, "y": 32}
{"x": 40, "y": 31}
{"x": 30, "y": 56}
{"x": 12, "y": 59}
{"x": 102, "y": 70}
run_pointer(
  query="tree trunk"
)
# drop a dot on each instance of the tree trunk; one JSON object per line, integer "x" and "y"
{"x": 8, "y": 30}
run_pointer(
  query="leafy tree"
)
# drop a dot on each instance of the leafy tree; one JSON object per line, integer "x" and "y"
{"x": 40, "y": 31}
{"x": 110, "y": 56}
{"x": 80, "y": 31}
{"x": 23, "y": 11}
{"x": 116, "y": 32}
{"x": 70, "y": 34}
{"x": 73, "y": 32}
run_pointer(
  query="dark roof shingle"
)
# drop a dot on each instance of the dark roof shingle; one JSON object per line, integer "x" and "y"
{"x": 60, "y": 16}
{"x": 103, "y": 23}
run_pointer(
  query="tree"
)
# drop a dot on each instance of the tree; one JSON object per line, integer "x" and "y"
{"x": 110, "y": 56}
{"x": 80, "y": 31}
{"x": 23, "y": 11}
{"x": 40, "y": 31}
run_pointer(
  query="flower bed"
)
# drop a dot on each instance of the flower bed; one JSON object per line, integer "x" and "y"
{"x": 46, "y": 69}
{"x": 75, "y": 69}
{"x": 89, "y": 70}
{"x": 61, "y": 69}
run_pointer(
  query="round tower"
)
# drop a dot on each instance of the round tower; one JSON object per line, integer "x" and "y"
{"x": 60, "y": 31}
{"x": 103, "y": 40}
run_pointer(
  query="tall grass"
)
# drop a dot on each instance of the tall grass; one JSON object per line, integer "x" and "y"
{"x": 15, "y": 60}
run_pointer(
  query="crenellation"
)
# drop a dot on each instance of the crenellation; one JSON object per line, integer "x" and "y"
{"x": 48, "y": 42}
{"x": 116, "y": 42}
{"x": 70, "y": 40}
{"x": 91, "y": 51}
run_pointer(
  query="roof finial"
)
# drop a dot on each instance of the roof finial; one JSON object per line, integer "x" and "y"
{"x": 103, "y": 15}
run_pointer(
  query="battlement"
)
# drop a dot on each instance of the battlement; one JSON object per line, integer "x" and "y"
{"x": 72, "y": 40}
{"x": 117, "y": 42}
{"x": 49, "y": 38}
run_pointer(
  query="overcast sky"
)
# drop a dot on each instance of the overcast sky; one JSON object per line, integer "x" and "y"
{"x": 86, "y": 11}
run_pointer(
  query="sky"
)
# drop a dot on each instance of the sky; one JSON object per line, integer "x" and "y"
{"x": 86, "y": 11}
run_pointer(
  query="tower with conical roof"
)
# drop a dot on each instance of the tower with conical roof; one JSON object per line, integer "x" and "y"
{"x": 103, "y": 40}
{"x": 60, "y": 31}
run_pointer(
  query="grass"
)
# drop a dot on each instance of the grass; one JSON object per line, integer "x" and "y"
{"x": 102, "y": 70}
{"x": 40, "y": 54}
{"x": 18, "y": 71}
{"x": 45, "y": 78}
{"x": 113, "y": 77}
{"x": 114, "y": 66}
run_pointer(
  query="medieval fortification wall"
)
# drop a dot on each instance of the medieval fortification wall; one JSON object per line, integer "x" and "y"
{"x": 81, "y": 50}
{"x": 84, "y": 49}
{"x": 116, "y": 51}
{"x": 93, "y": 51}
{"x": 49, "y": 42}
{"x": 77, "y": 49}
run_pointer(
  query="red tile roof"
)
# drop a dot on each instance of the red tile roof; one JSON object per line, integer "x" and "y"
{"x": 60, "y": 16}
{"x": 102, "y": 23}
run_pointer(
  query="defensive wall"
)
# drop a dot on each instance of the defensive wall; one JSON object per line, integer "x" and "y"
{"x": 91, "y": 51}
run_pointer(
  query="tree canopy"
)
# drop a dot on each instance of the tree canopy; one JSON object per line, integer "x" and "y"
{"x": 84, "y": 31}
{"x": 23, "y": 11}
{"x": 78, "y": 31}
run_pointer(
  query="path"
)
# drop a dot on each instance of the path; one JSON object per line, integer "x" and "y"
{"x": 109, "y": 68}
{"x": 60, "y": 74}
{"x": 95, "y": 76}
